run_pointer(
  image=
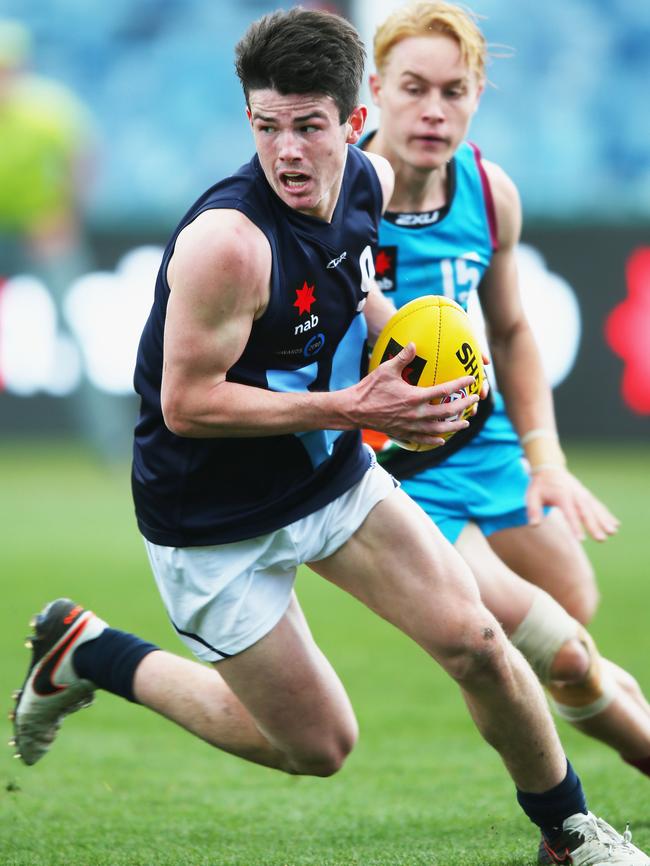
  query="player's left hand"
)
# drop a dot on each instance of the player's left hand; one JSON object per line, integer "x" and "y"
{"x": 585, "y": 513}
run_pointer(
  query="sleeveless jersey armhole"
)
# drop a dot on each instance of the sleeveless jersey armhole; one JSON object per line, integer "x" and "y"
{"x": 227, "y": 204}
{"x": 490, "y": 210}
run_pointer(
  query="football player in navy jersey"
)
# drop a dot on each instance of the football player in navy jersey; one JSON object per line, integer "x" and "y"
{"x": 452, "y": 227}
{"x": 248, "y": 461}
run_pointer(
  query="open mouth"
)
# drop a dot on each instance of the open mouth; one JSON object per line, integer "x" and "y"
{"x": 293, "y": 180}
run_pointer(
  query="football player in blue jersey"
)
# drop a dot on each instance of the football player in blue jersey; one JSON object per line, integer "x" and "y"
{"x": 248, "y": 462}
{"x": 451, "y": 227}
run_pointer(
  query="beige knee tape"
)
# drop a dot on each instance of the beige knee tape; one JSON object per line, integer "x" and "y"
{"x": 539, "y": 636}
{"x": 594, "y": 694}
{"x": 546, "y": 627}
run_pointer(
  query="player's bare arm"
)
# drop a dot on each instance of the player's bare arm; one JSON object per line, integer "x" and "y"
{"x": 517, "y": 363}
{"x": 219, "y": 277}
{"x": 520, "y": 374}
{"x": 379, "y": 308}
{"x": 377, "y": 311}
{"x": 385, "y": 174}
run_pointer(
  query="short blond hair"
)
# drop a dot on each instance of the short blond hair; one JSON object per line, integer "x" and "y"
{"x": 429, "y": 17}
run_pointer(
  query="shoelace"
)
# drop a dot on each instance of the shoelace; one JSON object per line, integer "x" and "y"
{"x": 609, "y": 836}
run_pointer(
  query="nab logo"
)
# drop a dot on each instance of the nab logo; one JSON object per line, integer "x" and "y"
{"x": 337, "y": 261}
{"x": 307, "y": 325}
{"x": 304, "y": 299}
{"x": 386, "y": 268}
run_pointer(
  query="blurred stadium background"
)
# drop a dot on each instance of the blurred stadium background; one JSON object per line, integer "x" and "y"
{"x": 152, "y": 108}
{"x": 566, "y": 117}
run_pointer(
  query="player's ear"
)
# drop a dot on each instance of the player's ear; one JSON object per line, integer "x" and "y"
{"x": 480, "y": 87}
{"x": 374, "y": 83}
{"x": 355, "y": 124}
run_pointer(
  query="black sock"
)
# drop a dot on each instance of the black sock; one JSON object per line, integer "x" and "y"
{"x": 549, "y": 809}
{"x": 109, "y": 661}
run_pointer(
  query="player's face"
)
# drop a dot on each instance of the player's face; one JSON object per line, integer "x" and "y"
{"x": 427, "y": 96}
{"x": 302, "y": 146}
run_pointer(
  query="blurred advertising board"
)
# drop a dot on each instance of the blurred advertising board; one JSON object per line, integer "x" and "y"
{"x": 586, "y": 292}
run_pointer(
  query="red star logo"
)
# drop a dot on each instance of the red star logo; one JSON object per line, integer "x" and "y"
{"x": 383, "y": 263}
{"x": 626, "y": 331}
{"x": 304, "y": 299}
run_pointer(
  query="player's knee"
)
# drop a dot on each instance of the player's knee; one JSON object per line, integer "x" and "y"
{"x": 478, "y": 656}
{"x": 326, "y": 756}
{"x": 571, "y": 663}
{"x": 566, "y": 660}
{"x": 548, "y": 638}
{"x": 593, "y": 690}
{"x": 321, "y": 762}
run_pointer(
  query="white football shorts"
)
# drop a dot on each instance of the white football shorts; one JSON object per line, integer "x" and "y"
{"x": 224, "y": 598}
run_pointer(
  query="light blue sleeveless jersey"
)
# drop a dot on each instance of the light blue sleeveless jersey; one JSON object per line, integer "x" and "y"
{"x": 447, "y": 253}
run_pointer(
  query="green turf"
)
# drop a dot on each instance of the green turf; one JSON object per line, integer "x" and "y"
{"x": 125, "y": 788}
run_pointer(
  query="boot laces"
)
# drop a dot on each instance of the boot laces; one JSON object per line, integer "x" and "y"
{"x": 609, "y": 836}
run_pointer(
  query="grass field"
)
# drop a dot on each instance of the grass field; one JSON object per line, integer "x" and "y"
{"x": 123, "y": 787}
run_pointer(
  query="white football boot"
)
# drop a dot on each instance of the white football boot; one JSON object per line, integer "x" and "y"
{"x": 589, "y": 841}
{"x": 52, "y": 688}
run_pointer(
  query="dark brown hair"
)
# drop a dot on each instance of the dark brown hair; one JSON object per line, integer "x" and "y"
{"x": 303, "y": 51}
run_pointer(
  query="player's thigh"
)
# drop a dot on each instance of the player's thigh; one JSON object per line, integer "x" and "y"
{"x": 291, "y": 690}
{"x": 399, "y": 565}
{"x": 552, "y": 558}
{"x": 503, "y": 592}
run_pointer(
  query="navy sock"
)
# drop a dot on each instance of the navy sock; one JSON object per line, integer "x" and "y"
{"x": 549, "y": 809}
{"x": 109, "y": 661}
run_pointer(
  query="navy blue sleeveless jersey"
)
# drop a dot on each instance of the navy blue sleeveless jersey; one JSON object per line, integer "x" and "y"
{"x": 312, "y": 337}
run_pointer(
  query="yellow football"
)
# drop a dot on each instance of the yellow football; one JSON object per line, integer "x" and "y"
{"x": 446, "y": 348}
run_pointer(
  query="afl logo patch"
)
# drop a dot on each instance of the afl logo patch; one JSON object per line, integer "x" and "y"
{"x": 451, "y": 398}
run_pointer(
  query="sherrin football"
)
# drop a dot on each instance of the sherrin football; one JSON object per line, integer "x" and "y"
{"x": 446, "y": 348}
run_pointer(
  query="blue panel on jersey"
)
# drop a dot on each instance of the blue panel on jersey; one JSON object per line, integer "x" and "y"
{"x": 317, "y": 443}
{"x": 292, "y": 380}
{"x": 347, "y": 358}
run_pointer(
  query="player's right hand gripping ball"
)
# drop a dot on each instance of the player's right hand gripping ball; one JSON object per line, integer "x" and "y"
{"x": 446, "y": 348}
